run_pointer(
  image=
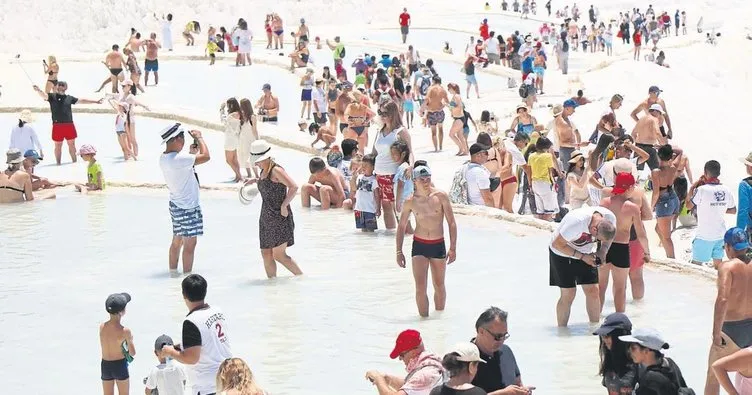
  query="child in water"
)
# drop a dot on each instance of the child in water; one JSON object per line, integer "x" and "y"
{"x": 94, "y": 176}
{"x": 167, "y": 378}
{"x": 117, "y": 346}
{"x": 403, "y": 180}
{"x": 367, "y": 205}
{"x": 212, "y": 48}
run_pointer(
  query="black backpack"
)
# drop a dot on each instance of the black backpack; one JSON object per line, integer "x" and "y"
{"x": 524, "y": 90}
{"x": 425, "y": 83}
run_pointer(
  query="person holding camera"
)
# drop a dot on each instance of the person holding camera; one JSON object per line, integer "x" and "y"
{"x": 185, "y": 210}
{"x": 578, "y": 247}
{"x": 268, "y": 105}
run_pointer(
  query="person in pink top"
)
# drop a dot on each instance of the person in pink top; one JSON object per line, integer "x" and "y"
{"x": 739, "y": 362}
{"x": 424, "y": 369}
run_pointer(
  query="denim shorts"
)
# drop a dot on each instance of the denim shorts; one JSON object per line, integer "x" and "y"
{"x": 667, "y": 205}
{"x": 707, "y": 250}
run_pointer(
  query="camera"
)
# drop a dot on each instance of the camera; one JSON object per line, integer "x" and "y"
{"x": 598, "y": 261}
{"x": 262, "y": 111}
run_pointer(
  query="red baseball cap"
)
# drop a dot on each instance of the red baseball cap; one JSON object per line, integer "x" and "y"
{"x": 406, "y": 341}
{"x": 623, "y": 182}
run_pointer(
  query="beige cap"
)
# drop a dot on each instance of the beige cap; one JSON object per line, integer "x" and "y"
{"x": 467, "y": 352}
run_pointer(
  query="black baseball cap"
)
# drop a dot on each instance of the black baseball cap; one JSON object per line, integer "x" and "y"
{"x": 115, "y": 303}
{"x": 162, "y": 341}
{"x": 476, "y": 148}
{"x": 614, "y": 321}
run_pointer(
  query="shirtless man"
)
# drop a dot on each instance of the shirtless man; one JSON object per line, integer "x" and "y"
{"x": 268, "y": 105}
{"x": 330, "y": 192}
{"x": 617, "y": 262}
{"x": 322, "y": 133}
{"x": 115, "y": 62}
{"x": 303, "y": 33}
{"x": 566, "y": 133}
{"x": 429, "y": 206}
{"x": 117, "y": 346}
{"x": 436, "y": 100}
{"x": 151, "y": 63}
{"x": 647, "y": 134}
{"x": 134, "y": 43}
{"x": 646, "y": 105}
{"x": 413, "y": 57}
{"x": 732, "y": 316}
{"x": 340, "y": 105}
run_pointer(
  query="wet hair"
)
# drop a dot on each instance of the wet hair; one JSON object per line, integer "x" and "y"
{"x": 420, "y": 162}
{"x": 314, "y": 128}
{"x": 491, "y": 314}
{"x": 485, "y": 116}
{"x": 617, "y": 358}
{"x": 484, "y": 138}
{"x": 403, "y": 149}
{"x": 194, "y": 288}
{"x": 453, "y": 366}
{"x": 713, "y": 168}
{"x": 370, "y": 159}
{"x": 543, "y": 144}
{"x": 234, "y": 374}
{"x": 316, "y": 164}
{"x": 233, "y": 105}
{"x": 665, "y": 152}
{"x": 348, "y": 146}
{"x": 246, "y": 111}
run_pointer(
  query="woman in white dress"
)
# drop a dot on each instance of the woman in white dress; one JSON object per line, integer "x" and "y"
{"x": 230, "y": 114}
{"x": 248, "y": 134}
{"x": 244, "y": 37}
{"x": 128, "y": 101}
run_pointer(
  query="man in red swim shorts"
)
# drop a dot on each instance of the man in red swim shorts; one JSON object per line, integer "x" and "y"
{"x": 62, "y": 117}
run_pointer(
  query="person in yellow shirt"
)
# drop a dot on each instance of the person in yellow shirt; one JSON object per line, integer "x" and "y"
{"x": 212, "y": 48}
{"x": 542, "y": 169}
{"x": 94, "y": 175}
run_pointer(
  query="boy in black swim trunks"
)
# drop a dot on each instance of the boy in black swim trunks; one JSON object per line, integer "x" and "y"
{"x": 117, "y": 346}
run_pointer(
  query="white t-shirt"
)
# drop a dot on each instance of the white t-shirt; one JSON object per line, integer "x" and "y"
{"x": 574, "y": 228}
{"x": 478, "y": 178}
{"x": 607, "y": 173}
{"x": 319, "y": 96}
{"x": 215, "y": 348}
{"x": 24, "y": 138}
{"x": 365, "y": 199}
{"x": 168, "y": 378}
{"x": 178, "y": 173}
{"x": 492, "y": 46}
{"x": 712, "y": 201}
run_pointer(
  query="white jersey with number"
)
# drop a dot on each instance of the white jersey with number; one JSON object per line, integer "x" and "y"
{"x": 215, "y": 348}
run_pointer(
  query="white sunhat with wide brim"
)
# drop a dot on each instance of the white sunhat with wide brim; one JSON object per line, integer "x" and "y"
{"x": 247, "y": 193}
{"x": 260, "y": 151}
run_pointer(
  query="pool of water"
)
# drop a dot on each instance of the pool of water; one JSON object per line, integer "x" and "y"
{"x": 341, "y": 317}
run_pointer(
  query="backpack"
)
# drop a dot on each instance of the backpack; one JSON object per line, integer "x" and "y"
{"x": 524, "y": 90}
{"x": 342, "y": 53}
{"x": 458, "y": 191}
{"x": 425, "y": 83}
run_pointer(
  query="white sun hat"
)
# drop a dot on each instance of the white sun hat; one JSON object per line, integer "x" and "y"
{"x": 260, "y": 151}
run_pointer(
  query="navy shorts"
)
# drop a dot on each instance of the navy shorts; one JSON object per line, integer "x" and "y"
{"x": 151, "y": 65}
{"x": 305, "y": 95}
{"x": 115, "y": 370}
{"x": 364, "y": 220}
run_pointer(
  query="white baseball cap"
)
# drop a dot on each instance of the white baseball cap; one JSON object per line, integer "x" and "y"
{"x": 656, "y": 107}
{"x": 467, "y": 352}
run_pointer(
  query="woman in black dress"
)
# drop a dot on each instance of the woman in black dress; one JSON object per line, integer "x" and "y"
{"x": 276, "y": 225}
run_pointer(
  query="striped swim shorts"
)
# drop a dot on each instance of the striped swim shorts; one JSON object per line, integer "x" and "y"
{"x": 186, "y": 222}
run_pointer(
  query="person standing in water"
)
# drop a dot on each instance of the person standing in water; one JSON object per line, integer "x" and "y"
{"x": 62, "y": 118}
{"x": 185, "y": 210}
{"x": 151, "y": 63}
{"x": 430, "y": 207}
{"x": 732, "y": 317}
{"x": 276, "y": 225}
{"x": 117, "y": 346}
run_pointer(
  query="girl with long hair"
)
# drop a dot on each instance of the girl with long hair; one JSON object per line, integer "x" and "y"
{"x": 616, "y": 367}
{"x": 230, "y": 115}
{"x": 248, "y": 134}
{"x": 457, "y": 110}
{"x": 51, "y": 68}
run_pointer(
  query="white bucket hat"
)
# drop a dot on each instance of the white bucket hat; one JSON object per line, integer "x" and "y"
{"x": 260, "y": 151}
{"x": 26, "y": 116}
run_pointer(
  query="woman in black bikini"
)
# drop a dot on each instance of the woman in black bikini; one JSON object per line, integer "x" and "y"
{"x": 15, "y": 184}
{"x": 457, "y": 109}
{"x": 51, "y": 68}
{"x": 358, "y": 116}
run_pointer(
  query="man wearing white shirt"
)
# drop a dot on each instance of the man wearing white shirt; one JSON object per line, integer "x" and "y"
{"x": 478, "y": 177}
{"x": 185, "y": 211}
{"x": 492, "y": 49}
{"x": 713, "y": 200}
{"x": 319, "y": 103}
{"x": 578, "y": 247}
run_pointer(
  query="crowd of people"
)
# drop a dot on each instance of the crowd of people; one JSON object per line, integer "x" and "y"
{"x": 600, "y": 190}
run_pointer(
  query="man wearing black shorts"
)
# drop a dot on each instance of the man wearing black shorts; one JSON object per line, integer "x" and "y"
{"x": 577, "y": 247}
{"x": 430, "y": 207}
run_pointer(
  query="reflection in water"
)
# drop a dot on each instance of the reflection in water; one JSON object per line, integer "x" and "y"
{"x": 338, "y": 320}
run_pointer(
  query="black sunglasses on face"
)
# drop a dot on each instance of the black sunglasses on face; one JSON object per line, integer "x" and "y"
{"x": 497, "y": 336}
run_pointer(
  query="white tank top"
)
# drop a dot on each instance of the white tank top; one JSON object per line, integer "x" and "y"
{"x": 384, "y": 164}
{"x": 215, "y": 348}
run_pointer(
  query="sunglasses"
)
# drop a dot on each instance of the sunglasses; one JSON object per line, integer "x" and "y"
{"x": 497, "y": 336}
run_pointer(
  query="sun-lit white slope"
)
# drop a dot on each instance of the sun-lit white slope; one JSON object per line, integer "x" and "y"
{"x": 706, "y": 110}
{"x": 94, "y": 25}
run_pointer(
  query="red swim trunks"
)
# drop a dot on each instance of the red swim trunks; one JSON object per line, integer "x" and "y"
{"x": 63, "y": 131}
{"x": 386, "y": 183}
{"x": 635, "y": 255}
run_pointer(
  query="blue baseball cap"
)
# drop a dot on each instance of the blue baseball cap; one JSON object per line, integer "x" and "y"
{"x": 32, "y": 154}
{"x": 737, "y": 239}
{"x": 570, "y": 103}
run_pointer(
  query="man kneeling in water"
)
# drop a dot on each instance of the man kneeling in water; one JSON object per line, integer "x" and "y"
{"x": 430, "y": 207}
{"x": 732, "y": 317}
{"x": 331, "y": 189}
